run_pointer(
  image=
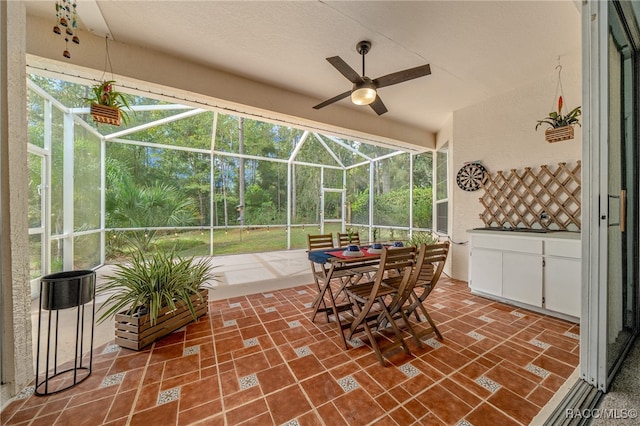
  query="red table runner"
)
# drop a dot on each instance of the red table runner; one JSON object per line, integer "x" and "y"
{"x": 364, "y": 250}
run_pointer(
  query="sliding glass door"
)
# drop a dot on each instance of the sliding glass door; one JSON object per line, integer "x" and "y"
{"x": 610, "y": 320}
{"x": 621, "y": 201}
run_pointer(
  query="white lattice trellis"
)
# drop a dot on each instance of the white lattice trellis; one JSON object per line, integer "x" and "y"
{"x": 519, "y": 198}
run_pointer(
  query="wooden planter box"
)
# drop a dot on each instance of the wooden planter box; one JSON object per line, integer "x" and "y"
{"x": 136, "y": 332}
{"x": 558, "y": 134}
{"x": 106, "y": 114}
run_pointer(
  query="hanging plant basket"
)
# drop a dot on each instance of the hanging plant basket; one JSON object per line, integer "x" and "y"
{"x": 561, "y": 125}
{"x": 558, "y": 134}
{"x": 106, "y": 114}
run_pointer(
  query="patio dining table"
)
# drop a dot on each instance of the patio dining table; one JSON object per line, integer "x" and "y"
{"x": 349, "y": 270}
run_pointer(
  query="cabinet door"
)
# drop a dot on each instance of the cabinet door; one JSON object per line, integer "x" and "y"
{"x": 522, "y": 278}
{"x": 486, "y": 271}
{"x": 562, "y": 285}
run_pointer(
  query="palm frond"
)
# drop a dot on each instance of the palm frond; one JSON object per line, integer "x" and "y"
{"x": 161, "y": 280}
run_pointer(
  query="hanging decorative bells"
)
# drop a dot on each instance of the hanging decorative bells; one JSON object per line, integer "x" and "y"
{"x": 67, "y": 17}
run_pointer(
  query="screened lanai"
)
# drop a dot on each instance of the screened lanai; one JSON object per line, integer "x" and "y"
{"x": 205, "y": 181}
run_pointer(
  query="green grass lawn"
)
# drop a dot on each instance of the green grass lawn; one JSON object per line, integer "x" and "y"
{"x": 236, "y": 241}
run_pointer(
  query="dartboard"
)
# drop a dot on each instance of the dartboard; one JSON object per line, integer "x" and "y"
{"x": 471, "y": 176}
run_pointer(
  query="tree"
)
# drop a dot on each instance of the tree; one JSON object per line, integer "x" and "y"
{"x": 129, "y": 205}
{"x": 260, "y": 185}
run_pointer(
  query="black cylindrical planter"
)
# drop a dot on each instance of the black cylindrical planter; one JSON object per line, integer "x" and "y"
{"x": 67, "y": 289}
{"x": 64, "y": 290}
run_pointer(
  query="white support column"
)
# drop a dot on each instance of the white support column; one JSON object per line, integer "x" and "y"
{"x": 344, "y": 198}
{"x": 46, "y": 218}
{"x": 322, "y": 200}
{"x": 289, "y": 167}
{"x": 103, "y": 192}
{"x": 434, "y": 191}
{"x": 371, "y": 175}
{"x": 290, "y": 162}
{"x": 67, "y": 192}
{"x": 44, "y": 215}
{"x": 48, "y": 122}
{"x": 411, "y": 195}
{"x": 212, "y": 182}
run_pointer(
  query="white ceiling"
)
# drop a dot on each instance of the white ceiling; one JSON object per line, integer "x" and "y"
{"x": 476, "y": 49}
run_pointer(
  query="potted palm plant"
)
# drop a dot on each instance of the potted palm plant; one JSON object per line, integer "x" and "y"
{"x": 561, "y": 126}
{"x": 108, "y": 105}
{"x": 154, "y": 296}
{"x": 419, "y": 238}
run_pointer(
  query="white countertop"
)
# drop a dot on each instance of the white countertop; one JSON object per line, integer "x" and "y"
{"x": 561, "y": 235}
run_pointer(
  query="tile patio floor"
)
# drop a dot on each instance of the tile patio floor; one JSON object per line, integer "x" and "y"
{"x": 259, "y": 360}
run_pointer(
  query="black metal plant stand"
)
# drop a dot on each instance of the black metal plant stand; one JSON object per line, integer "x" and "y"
{"x": 63, "y": 290}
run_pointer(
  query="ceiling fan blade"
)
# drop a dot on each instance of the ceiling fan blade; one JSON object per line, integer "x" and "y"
{"x": 400, "y": 76}
{"x": 378, "y": 106}
{"x": 332, "y": 100}
{"x": 345, "y": 69}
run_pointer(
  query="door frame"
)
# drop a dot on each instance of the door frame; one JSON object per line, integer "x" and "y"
{"x": 594, "y": 318}
{"x": 323, "y": 218}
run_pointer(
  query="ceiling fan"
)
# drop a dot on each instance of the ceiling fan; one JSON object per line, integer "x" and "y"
{"x": 365, "y": 90}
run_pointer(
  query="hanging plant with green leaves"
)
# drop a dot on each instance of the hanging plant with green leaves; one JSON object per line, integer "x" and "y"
{"x": 107, "y": 104}
{"x": 557, "y": 120}
{"x": 560, "y": 126}
{"x": 105, "y": 95}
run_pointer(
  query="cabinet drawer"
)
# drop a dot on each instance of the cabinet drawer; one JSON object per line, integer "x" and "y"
{"x": 560, "y": 248}
{"x": 520, "y": 245}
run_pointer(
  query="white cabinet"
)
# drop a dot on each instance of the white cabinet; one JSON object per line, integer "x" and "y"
{"x": 522, "y": 277}
{"x": 507, "y": 267}
{"x": 541, "y": 271}
{"x": 487, "y": 271}
{"x": 562, "y": 277}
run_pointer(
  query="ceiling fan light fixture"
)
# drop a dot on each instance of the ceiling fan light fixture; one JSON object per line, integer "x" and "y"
{"x": 364, "y": 93}
{"x": 364, "y": 90}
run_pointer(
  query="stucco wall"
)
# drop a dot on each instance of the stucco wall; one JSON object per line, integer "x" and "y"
{"x": 500, "y": 133}
{"x": 16, "y": 301}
